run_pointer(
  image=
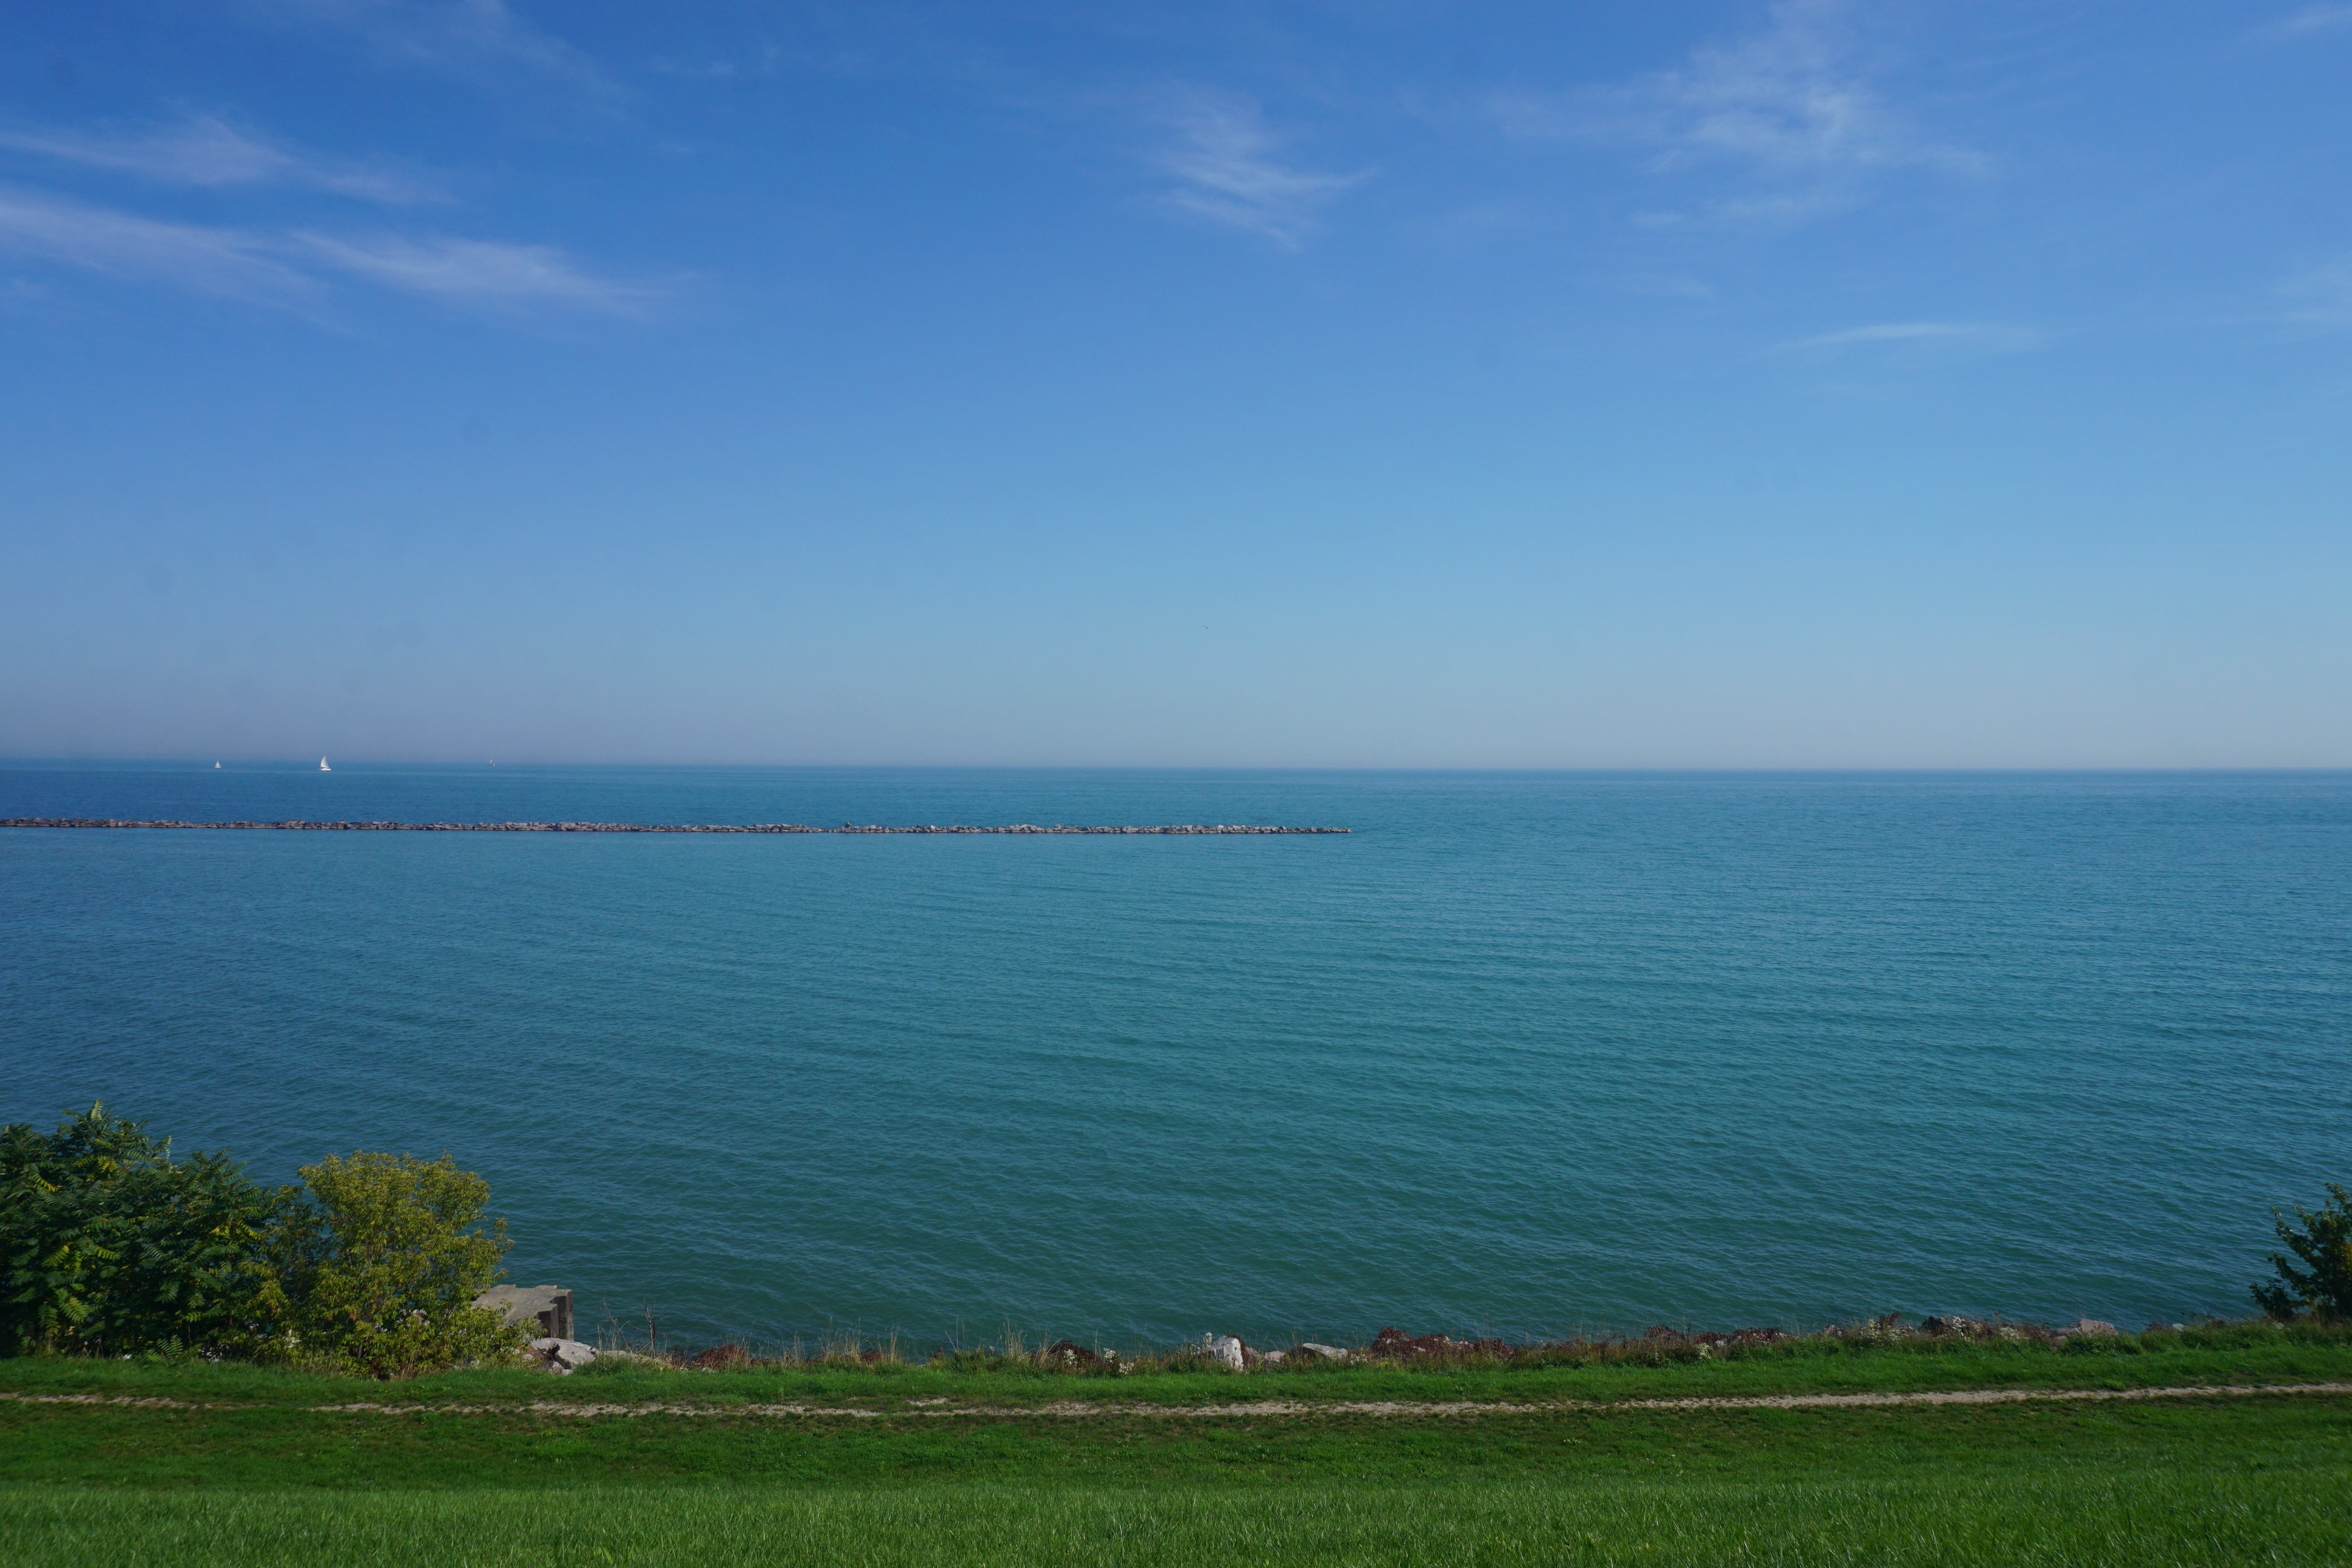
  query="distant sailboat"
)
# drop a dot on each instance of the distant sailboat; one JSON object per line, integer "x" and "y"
{"x": 215, "y": 767}
{"x": 323, "y": 767}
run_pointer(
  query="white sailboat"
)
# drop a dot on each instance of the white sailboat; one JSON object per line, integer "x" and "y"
{"x": 323, "y": 767}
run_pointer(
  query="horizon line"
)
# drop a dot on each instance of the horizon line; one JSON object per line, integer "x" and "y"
{"x": 275, "y": 763}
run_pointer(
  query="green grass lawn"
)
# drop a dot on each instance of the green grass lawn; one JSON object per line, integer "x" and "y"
{"x": 2065, "y": 1515}
{"x": 256, "y": 1474}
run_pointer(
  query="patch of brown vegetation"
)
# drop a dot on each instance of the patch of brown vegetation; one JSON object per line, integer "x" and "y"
{"x": 1395, "y": 1344}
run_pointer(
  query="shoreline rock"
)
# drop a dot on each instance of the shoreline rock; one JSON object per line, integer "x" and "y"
{"x": 562, "y": 1357}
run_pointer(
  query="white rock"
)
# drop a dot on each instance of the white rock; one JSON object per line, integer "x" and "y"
{"x": 1227, "y": 1348}
{"x": 1329, "y": 1353}
{"x": 562, "y": 1355}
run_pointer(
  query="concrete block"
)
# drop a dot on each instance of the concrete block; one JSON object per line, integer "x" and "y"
{"x": 546, "y": 1308}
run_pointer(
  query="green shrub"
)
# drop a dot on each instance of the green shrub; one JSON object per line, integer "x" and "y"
{"x": 2322, "y": 1287}
{"x": 110, "y": 1246}
{"x": 379, "y": 1267}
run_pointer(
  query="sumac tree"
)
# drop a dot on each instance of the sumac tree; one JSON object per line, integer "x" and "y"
{"x": 2319, "y": 1285}
{"x": 108, "y": 1244}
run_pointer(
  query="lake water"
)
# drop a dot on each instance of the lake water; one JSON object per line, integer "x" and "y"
{"x": 1523, "y": 1054}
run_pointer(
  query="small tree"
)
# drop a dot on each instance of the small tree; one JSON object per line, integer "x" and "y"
{"x": 2323, "y": 1286}
{"x": 381, "y": 1268}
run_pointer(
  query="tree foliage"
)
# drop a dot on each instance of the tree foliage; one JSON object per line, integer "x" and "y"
{"x": 109, "y": 1245}
{"x": 2322, "y": 1287}
{"x": 380, "y": 1265}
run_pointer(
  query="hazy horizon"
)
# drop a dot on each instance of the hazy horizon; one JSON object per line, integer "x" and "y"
{"x": 357, "y": 761}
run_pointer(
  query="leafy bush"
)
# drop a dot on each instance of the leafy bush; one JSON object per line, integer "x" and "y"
{"x": 2323, "y": 1286}
{"x": 109, "y": 1245}
{"x": 380, "y": 1266}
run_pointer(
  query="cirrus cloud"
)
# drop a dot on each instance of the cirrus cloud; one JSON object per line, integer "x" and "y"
{"x": 477, "y": 272}
{"x": 1797, "y": 107}
{"x": 460, "y": 38}
{"x": 200, "y": 258}
{"x": 1985, "y": 337}
{"x": 208, "y": 153}
{"x": 2311, "y": 19}
{"x": 2321, "y": 297}
{"x": 295, "y": 269}
{"x": 1227, "y": 170}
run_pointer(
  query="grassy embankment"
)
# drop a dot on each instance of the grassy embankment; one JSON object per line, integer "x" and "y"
{"x": 245, "y": 1465}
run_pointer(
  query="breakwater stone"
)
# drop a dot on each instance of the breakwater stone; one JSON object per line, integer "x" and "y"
{"x": 296, "y": 826}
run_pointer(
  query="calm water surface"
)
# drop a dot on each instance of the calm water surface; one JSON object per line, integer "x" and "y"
{"x": 1524, "y": 1053}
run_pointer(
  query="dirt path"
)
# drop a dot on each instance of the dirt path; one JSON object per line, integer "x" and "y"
{"x": 1385, "y": 1408}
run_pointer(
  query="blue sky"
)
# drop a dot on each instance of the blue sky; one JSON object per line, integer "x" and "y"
{"x": 1381, "y": 384}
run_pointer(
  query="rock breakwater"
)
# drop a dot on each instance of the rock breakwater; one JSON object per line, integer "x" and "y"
{"x": 1222, "y": 828}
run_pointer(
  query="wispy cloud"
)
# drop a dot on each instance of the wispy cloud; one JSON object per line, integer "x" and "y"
{"x": 236, "y": 263}
{"x": 297, "y": 270}
{"x": 2312, "y": 19}
{"x": 1664, "y": 285}
{"x": 1798, "y": 106}
{"x": 740, "y": 72}
{"x": 209, "y": 153}
{"x": 462, "y": 36}
{"x": 477, "y": 272}
{"x": 1983, "y": 337}
{"x": 1226, "y": 165}
{"x": 2321, "y": 297}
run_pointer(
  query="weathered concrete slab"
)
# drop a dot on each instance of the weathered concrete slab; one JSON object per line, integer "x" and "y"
{"x": 547, "y": 1308}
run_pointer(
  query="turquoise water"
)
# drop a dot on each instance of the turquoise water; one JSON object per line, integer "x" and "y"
{"x": 1523, "y": 1054}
